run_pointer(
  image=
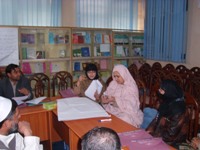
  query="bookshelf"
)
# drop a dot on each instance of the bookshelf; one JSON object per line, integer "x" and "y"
{"x": 127, "y": 46}
{"x": 44, "y": 49}
{"x": 53, "y": 49}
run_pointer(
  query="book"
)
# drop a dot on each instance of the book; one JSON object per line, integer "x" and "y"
{"x": 26, "y": 68}
{"x": 31, "y": 54}
{"x": 40, "y": 54}
{"x": 85, "y": 52}
{"x": 75, "y": 38}
{"x": 40, "y": 67}
{"x": 31, "y": 38}
{"x": 51, "y": 37}
{"x": 98, "y": 38}
{"x": 87, "y": 38}
{"x": 77, "y": 66}
{"x": 54, "y": 67}
{"x": 106, "y": 38}
{"x": 62, "y": 53}
{"x": 24, "y": 53}
{"x": 103, "y": 64}
{"x": 80, "y": 39}
{"x": 77, "y": 52}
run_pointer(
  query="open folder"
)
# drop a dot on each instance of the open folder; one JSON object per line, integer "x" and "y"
{"x": 79, "y": 108}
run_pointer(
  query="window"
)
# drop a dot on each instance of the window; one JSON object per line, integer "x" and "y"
{"x": 165, "y": 30}
{"x": 116, "y": 14}
{"x": 30, "y": 12}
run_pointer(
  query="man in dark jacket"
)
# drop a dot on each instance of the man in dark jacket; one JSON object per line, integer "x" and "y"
{"x": 15, "y": 84}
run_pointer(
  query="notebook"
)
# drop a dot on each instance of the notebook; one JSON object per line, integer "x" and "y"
{"x": 67, "y": 93}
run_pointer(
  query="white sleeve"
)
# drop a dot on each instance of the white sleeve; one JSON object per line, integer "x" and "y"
{"x": 32, "y": 143}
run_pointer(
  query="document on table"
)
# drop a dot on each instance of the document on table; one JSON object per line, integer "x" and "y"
{"x": 94, "y": 86}
{"x": 20, "y": 99}
{"x": 79, "y": 108}
{"x": 36, "y": 100}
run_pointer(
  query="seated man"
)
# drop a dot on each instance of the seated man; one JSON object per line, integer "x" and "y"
{"x": 101, "y": 138}
{"x": 10, "y": 125}
{"x": 15, "y": 84}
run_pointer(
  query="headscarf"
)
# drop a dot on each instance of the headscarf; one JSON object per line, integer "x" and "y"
{"x": 91, "y": 67}
{"x": 172, "y": 100}
{"x": 125, "y": 74}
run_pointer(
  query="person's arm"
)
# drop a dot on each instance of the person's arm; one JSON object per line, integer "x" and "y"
{"x": 26, "y": 89}
{"x": 30, "y": 142}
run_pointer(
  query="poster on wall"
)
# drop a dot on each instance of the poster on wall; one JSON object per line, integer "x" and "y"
{"x": 9, "y": 46}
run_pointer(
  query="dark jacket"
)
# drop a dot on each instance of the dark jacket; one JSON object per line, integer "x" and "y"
{"x": 6, "y": 89}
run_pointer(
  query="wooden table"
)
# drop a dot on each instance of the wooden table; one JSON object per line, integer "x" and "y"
{"x": 72, "y": 131}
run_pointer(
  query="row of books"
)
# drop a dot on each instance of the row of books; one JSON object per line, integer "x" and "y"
{"x": 81, "y": 52}
{"x": 31, "y": 53}
{"x": 55, "y": 38}
{"x": 79, "y": 66}
{"x": 124, "y": 39}
{"x": 80, "y": 38}
{"x": 99, "y": 38}
{"x": 125, "y": 51}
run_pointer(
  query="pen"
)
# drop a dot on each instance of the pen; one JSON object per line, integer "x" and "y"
{"x": 105, "y": 120}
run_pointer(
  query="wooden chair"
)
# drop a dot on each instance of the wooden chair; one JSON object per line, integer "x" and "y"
{"x": 61, "y": 81}
{"x": 176, "y": 77}
{"x": 195, "y": 71}
{"x": 145, "y": 73}
{"x": 40, "y": 84}
{"x": 133, "y": 71}
{"x": 185, "y": 75}
{"x": 194, "y": 88}
{"x": 156, "y": 66}
{"x": 142, "y": 93}
{"x": 109, "y": 80}
{"x": 193, "y": 110}
{"x": 169, "y": 68}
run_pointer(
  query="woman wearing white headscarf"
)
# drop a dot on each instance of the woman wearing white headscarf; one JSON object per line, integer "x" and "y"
{"x": 122, "y": 97}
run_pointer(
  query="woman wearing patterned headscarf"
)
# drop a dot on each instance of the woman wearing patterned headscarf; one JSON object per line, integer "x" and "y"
{"x": 171, "y": 122}
{"x": 122, "y": 98}
{"x": 91, "y": 73}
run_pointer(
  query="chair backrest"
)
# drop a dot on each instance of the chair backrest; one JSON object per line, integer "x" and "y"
{"x": 145, "y": 73}
{"x": 195, "y": 71}
{"x": 176, "y": 77}
{"x": 40, "y": 84}
{"x": 133, "y": 71}
{"x": 142, "y": 92}
{"x": 193, "y": 110}
{"x": 169, "y": 68}
{"x": 61, "y": 81}
{"x": 156, "y": 66}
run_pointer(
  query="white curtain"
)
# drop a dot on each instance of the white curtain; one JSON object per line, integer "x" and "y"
{"x": 30, "y": 12}
{"x": 116, "y": 14}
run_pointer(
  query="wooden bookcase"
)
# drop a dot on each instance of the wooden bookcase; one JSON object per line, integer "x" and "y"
{"x": 53, "y": 49}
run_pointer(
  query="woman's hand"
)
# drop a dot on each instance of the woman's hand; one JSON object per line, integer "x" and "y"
{"x": 97, "y": 96}
{"x": 195, "y": 142}
{"x": 107, "y": 99}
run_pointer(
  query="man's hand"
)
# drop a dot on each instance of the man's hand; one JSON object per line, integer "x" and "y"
{"x": 24, "y": 91}
{"x": 24, "y": 128}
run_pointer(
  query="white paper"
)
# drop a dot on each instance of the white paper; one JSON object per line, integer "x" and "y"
{"x": 104, "y": 47}
{"x": 120, "y": 51}
{"x": 20, "y": 99}
{"x": 94, "y": 86}
{"x": 9, "y": 52}
{"x": 36, "y": 100}
{"x": 79, "y": 108}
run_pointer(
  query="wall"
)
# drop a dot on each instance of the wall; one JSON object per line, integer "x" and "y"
{"x": 193, "y": 43}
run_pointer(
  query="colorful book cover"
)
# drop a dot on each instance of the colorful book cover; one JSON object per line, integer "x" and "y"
{"x": 80, "y": 39}
{"x": 24, "y": 53}
{"x": 26, "y": 68}
{"x": 75, "y": 38}
{"x": 98, "y": 38}
{"x": 106, "y": 38}
{"x": 77, "y": 66}
{"x": 40, "y": 54}
{"x": 85, "y": 52}
{"x": 87, "y": 38}
{"x": 31, "y": 54}
{"x": 103, "y": 64}
{"x": 51, "y": 37}
{"x": 31, "y": 38}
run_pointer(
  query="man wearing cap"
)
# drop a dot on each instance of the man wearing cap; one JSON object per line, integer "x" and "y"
{"x": 15, "y": 84}
{"x": 11, "y": 129}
